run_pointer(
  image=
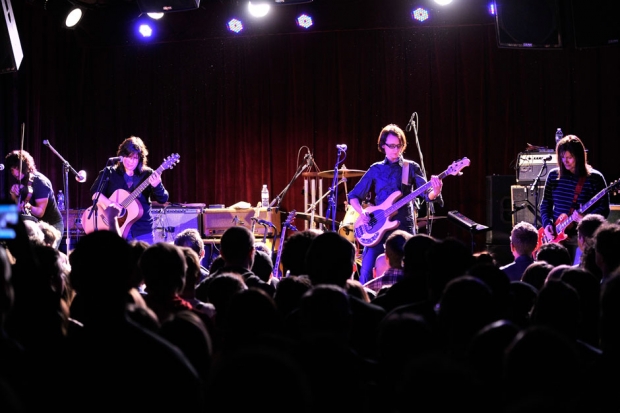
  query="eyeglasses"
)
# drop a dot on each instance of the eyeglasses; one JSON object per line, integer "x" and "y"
{"x": 394, "y": 146}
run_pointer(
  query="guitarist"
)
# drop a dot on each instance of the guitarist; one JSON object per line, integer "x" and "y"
{"x": 127, "y": 175}
{"x": 386, "y": 177}
{"x": 573, "y": 177}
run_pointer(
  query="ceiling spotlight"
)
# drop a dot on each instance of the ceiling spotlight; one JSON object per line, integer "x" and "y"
{"x": 258, "y": 8}
{"x": 155, "y": 16}
{"x": 73, "y": 17}
{"x": 443, "y": 2}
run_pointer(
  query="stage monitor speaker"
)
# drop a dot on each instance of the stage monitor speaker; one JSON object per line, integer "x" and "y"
{"x": 528, "y": 24}
{"x": 595, "y": 23}
{"x": 165, "y": 6}
{"x": 169, "y": 222}
{"x": 11, "y": 53}
{"x": 524, "y": 204}
{"x": 499, "y": 208}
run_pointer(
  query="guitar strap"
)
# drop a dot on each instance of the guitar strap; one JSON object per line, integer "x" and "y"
{"x": 578, "y": 188}
{"x": 405, "y": 177}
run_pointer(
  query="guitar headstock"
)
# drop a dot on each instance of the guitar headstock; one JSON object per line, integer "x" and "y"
{"x": 290, "y": 217}
{"x": 614, "y": 187}
{"x": 456, "y": 166}
{"x": 170, "y": 161}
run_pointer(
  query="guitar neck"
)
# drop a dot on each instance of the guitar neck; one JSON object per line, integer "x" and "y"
{"x": 403, "y": 201}
{"x": 562, "y": 226}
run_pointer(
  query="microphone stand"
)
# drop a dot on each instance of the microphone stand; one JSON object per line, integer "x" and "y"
{"x": 79, "y": 176}
{"x": 534, "y": 187}
{"x": 331, "y": 201}
{"x": 276, "y": 201}
{"x": 103, "y": 182}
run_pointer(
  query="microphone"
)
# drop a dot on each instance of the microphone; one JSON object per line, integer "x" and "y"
{"x": 116, "y": 159}
{"x": 1, "y": 167}
{"x": 548, "y": 158}
{"x": 308, "y": 159}
{"x": 267, "y": 223}
{"x": 81, "y": 176}
{"x": 342, "y": 147}
{"x": 46, "y": 142}
{"x": 411, "y": 123}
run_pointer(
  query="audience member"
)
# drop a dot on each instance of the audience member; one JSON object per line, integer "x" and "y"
{"x": 536, "y": 274}
{"x": 293, "y": 257}
{"x": 554, "y": 253}
{"x": 190, "y": 237}
{"x": 523, "y": 241}
{"x": 607, "y": 247}
{"x": 394, "y": 253}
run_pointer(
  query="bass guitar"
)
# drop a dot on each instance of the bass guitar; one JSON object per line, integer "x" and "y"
{"x": 131, "y": 210}
{"x": 564, "y": 221}
{"x": 369, "y": 234}
{"x": 285, "y": 225}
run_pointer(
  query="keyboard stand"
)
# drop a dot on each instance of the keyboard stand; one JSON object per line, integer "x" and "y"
{"x": 468, "y": 224}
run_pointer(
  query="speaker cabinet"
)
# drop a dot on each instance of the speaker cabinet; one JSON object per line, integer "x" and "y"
{"x": 614, "y": 214}
{"x": 528, "y": 24}
{"x": 499, "y": 208}
{"x": 164, "y": 6}
{"x": 524, "y": 204}
{"x": 169, "y": 222}
{"x": 595, "y": 23}
{"x": 11, "y": 53}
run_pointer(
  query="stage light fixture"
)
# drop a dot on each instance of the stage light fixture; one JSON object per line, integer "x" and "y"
{"x": 259, "y": 8}
{"x": 235, "y": 25}
{"x": 443, "y": 2}
{"x": 304, "y": 21}
{"x": 155, "y": 16}
{"x": 73, "y": 17}
{"x": 420, "y": 14}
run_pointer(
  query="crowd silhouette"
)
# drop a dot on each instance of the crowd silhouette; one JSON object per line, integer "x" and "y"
{"x": 120, "y": 326}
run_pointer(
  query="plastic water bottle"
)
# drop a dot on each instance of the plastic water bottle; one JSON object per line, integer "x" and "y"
{"x": 558, "y": 135}
{"x": 60, "y": 199}
{"x": 264, "y": 196}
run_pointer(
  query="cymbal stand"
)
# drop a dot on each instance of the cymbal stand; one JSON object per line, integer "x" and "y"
{"x": 311, "y": 210}
{"x": 276, "y": 201}
{"x": 331, "y": 208}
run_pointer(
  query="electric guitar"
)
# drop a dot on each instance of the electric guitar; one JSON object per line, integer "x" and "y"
{"x": 369, "y": 234}
{"x": 564, "y": 221}
{"x": 285, "y": 225}
{"x": 131, "y": 210}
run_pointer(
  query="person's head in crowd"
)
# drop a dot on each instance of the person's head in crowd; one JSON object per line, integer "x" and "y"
{"x": 554, "y": 253}
{"x": 523, "y": 239}
{"x": 263, "y": 266}
{"x": 35, "y": 234}
{"x": 237, "y": 247}
{"x": 293, "y": 257}
{"x": 607, "y": 247}
{"x": 190, "y": 237}
{"x": 163, "y": 267}
{"x": 330, "y": 259}
{"x": 536, "y": 274}
{"x": 51, "y": 234}
{"x": 395, "y": 247}
{"x": 587, "y": 227}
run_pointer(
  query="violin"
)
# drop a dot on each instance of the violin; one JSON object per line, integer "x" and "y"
{"x": 24, "y": 204}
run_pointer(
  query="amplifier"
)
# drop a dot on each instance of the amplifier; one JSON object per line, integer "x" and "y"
{"x": 217, "y": 220}
{"x": 169, "y": 222}
{"x": 529, "y": 165}
{"x": 75, "y": 221}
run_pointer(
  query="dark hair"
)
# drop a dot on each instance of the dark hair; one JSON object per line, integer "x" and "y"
{"x": 134, "y": 145}
{"x": 394, "y": 130}
{"x": 190, "y": 237}
{"x": 12, "y": 161}
{"x": 573, "y": 145}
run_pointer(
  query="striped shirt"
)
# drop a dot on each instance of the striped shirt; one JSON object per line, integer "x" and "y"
{"x": 558, "y": 195}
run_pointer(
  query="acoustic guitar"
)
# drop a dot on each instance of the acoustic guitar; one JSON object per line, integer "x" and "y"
{"x": 131, "y": 210}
